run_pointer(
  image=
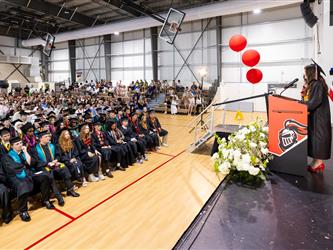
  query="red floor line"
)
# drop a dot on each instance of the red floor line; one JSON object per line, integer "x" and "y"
{"x": 64, "y": 213}
{"x": 164, "y": 154}
{"x": 100, "y": 203}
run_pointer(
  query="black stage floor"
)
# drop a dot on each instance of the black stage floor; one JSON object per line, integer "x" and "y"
{"x": 288, "y": 212}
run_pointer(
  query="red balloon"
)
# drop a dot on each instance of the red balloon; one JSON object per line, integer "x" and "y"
{"x": 254, "y": 76}
{"x": 237, "y": 43}
{"x": 251, "y": 57}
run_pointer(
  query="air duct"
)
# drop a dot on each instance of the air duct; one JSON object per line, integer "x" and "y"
{"x": 197, "y": 13}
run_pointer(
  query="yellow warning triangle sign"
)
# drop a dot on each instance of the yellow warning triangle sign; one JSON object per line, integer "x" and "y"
{"x": 239, "y": 116}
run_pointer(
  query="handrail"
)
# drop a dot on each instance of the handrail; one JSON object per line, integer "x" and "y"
{"x": 202, "y": 113}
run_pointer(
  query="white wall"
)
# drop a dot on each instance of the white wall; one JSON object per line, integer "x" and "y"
{"x": 203, "y": 55}
{"x": 282, "y": 38}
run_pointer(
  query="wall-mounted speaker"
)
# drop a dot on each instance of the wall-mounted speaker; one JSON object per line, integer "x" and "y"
{"x": 310, "y": 18}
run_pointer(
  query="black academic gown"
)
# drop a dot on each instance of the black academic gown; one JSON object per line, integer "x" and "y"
{"x": 114, "y": 137}
{"x": 152, "y": 137}
{"x": 105, "y": 152}
{"x": 28, "y": 184}
{"x": 20, "y": 186}
{"x": 156, "y": 126}
{"x": 90, "y": 163}
{"x": 4, "y": 191}
{"x": 319, "y": 122}
{"x": 53, "y": 173}
{"x": 129, "y": 135}
{"x": 76, "y": 168}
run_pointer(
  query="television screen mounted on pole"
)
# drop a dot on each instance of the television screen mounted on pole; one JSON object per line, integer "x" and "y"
{"x": 172, "y": 25}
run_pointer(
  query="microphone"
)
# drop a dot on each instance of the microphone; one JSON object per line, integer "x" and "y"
{"x": 291, "y": 84}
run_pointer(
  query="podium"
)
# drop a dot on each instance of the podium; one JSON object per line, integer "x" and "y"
{"x": 287, "y": 136}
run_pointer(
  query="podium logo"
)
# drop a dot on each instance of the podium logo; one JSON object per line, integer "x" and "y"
{"x": 288, "y": 136}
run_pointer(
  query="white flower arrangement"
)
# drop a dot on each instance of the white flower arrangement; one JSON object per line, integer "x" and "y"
{"x": 245, "y": 154}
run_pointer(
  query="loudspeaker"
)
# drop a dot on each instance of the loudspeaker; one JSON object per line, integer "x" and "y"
{"x": 307, "y": 13}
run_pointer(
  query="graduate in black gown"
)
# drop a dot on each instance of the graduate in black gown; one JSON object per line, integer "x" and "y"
{"x": 69, "y": 155}
{"x": 155, "y": 125}
{"x": 154, "y": 140}
{"x": 319, "y": 118}
{"x": 131, "y": 137}
{"x": 89, "y": 154}
{"x": 5, "y": 143}
{"x": 4, "y": 198}
{"x": 8, "y": 125}
{"x": 116, "y": 138}
{"x": 101, "y": 144}
{"x": 47, "y": 160}
{"x": 16, "y": 166}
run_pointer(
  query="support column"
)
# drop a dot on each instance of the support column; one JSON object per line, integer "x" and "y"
{"x": 154, "y": 50}
{"x": 107, "y": 55}
{"x": 72, "y": 59}
{"x": 219, "y": 48}
{"x": 45, "y": 65}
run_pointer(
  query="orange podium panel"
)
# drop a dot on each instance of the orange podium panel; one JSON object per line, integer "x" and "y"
{"x": 287, "y": 136}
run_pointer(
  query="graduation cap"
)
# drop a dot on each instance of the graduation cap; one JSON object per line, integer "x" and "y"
{"x": 319, "y": 69}
{"x": 14, "y": 140}
{"x": 73, "y": 118}
{"x": 23, "y": 112}
{"x": 51, "y": 113}
{"x": 4, "y": 131}
{"x": 57, "y": 123}
{"x": 37, "y": 120}
{"x": 83, "y": 125}
{"x": 42, "y": 133}
{"x": 26, "y": 127}
{"x": 87, "y": 116}
{"x": 71, "y": 111}
{"x": 16, "y": 121}
{"x": 96, "y": 122}
{"x": 110, "y": 122}
{"x": 44, "y": 123}
{"x": 124, "y": 119}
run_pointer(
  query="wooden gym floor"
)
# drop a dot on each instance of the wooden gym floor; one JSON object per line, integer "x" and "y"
{"x": 147, "y": 207}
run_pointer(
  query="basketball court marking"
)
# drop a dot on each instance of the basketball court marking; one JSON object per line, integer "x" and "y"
{"x": 72, "y": 219}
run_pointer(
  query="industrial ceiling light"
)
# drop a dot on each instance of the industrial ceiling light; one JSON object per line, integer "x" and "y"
{"x": 256, "y": 11}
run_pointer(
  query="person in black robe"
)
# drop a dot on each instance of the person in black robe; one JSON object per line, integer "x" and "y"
{"x": 7, "y": 214}
{"x": 116, "y": 138}
{"x": 8, "y": 125}
{"x": 47, "y": 160}
{"x": 16, "y": 166}
{"x": 89, "y": 154}
{"x": 135, "y": 126}
{"x": 149, "y": 131}
{"x": 319, "y": 118}
{"x": 69, "y": 155}
{"x": 5, "y": 142}
{"x": 132, "y": 138}
{"x": 101, "y": 144}
{"x": 154, "y": 123}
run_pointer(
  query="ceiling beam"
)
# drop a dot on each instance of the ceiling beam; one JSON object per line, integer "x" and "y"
{"x": 120, "y": 5}
{"x": 56, "y": 11}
